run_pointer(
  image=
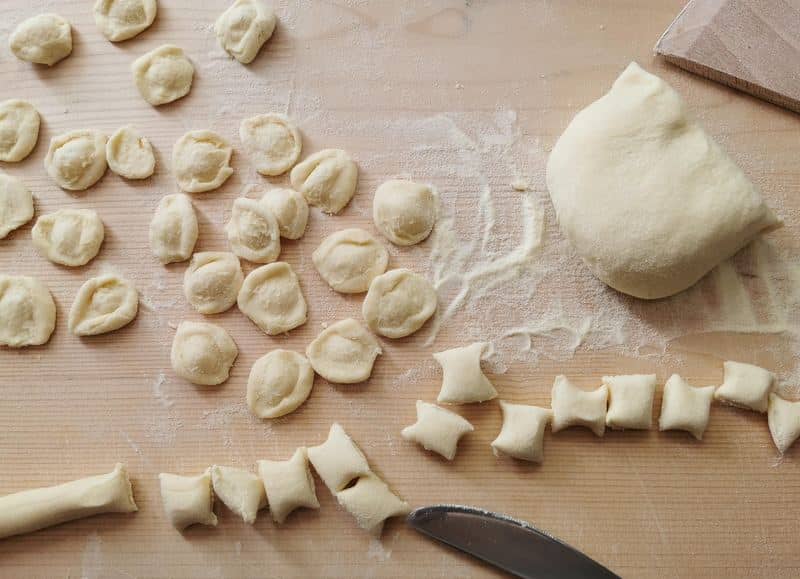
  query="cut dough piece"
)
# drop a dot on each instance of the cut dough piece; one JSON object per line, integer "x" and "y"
{"x": 19, "y": 130}
{"x": 575, "y": 407}
{"x": 404, "y": 211}
{"x": 69, "y": 236}
{"x": 289, "y": 484}
{"x": 279, "y": 383}
{"x": 123, "y": 19}
{"x": 203, "y": 353}
{"x": 76, "y": 160}
{"x": 244, "y": 28}
{"x": 43, "y": 39}
{"x": 239, "y": 490}
{"x": 338, "y": 461}
{"x": 201, "y": 161}
{"x": 437, "y": 429}
{"x": 344, "y": 352}
{"x": 103, "y": 304}
{"x": 188, "y": 500}
{"x": 271, "y": 297}
{"x": 398, "y": 303}
{"x": 522, "y": 434}
{"x": 290, "y": 210}
{"x": 462, "y": 379}
{"x": 645, "y": 196}
{"x": 272, "y": 142}
{"x": 129, "y": 154}
{"x": 630, "y": 401}
{"x": 745, "y": 386}
{"x": 348, "y": 260}
{"x": 371, "y": 502}
{"x": 253, "y": 231}
{"x": 327, "y": 179}
{"x": 163, "y": 75}
{"x": 35, "y": 509}
{"x": 684, "y": 407}
{"x": 16, "y": 204}
{"x": 212, "y": 281}
{"x": 783, "y": 417}
{"x": 173, "y": 230}
{"x": 27, "y": 311}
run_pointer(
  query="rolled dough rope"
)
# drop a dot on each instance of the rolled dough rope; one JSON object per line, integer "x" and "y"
{"x": 29, "y": 511}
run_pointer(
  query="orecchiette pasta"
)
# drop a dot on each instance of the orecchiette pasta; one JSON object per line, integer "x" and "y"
{"x": 437, "y": 429}
{"x": 279, "y": 382}
{"x": 103, "y": 304}
{"x": 344, "y": 352}
{"x": 575, "y": 407}
{"x": 289, "y": 484}
{"x": 684, "y": 407}
{"x": 522, "y": 434}
{"x": 173, "y": 230}
{"x": 630, "y": 401}
{"x": 462, "y": 379}
{"x": 239, "y": 490}
{"x": 271, "y": 297}
{"x": 327, "y": 179}
{"x": 69, "y": 237}
{"x": 212, "y": 281}
{"x": 745, "y": 386}
{"x": 203, "y": 353}
{"x": 253, "y": 231}
{"x": 338, "y": 461}
{"x": 27, "y": 311}
{"x": 188, "y": 500}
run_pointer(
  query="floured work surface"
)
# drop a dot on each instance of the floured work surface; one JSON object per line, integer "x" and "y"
{"x": 470, "y": 98}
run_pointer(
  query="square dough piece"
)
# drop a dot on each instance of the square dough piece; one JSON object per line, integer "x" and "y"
{"x": 575, "y": 407}
{"x": 371, "y": 502}
{"x": 437, "y": 429}
{"x": 684, "y": 407}
{"x": 745, "y": 386}
{"x": 338, "y": 460}
{"x": 630, "y": 401}
{"x": 463, "y": 381}
{"x": 239, "y": 490}
{"x": 289, "y": 484}
{"x": 522, "y": 434}
{"x": 188, "y": 500}
{"x": 783, "y": 417}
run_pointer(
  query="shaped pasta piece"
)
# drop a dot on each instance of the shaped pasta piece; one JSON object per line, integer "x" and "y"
{"x": 344, "y": 352}
{"x": 244, "y": 27}
{"x": 129, "y": 154}
{"x": 684, "y": 407}
{"x": 253, "y": 231}
{"x": 522, "y": 434}
{"x": 19, "y": 130}
{"x": 462, "y": 379}
{"x": 371, "y": 502}
{"x": 69, "y": 237}
{"x": 745, "y": 386}
{"x": 630, "y": 401}
{"x": 327, "y": 179}
{"x": 123, "y": 19}
{"x": 271, "y": 297}
{"x": 77, "y": 160}
{"x": 289, "y": 484}
{"x": 43, "y": 39}
{"x": 575, "y": 407}
{"x": 290, "y": 210}
{"x": 16, "y": 201}
{"x": 173, "y": 230}
{"x": 338, "y": 460}
{"x": 272, "y": 142}
{"x": 203, "y": 353}
{"x": 103, "y": 304}
{"x": 437, "y": 429}
{"x": 27, "y": 311}
{"x": 212, "y": 281}
{"x": 239, "y": 490}
{"x": 398, "y": 303}
{"x": 201, "y": 161}
{"x": 188, "y": 500}
{"x": 279, "y": 382}
{"x": 163, "y": 75}
{"x": 783, "y": 417}
{"x": 348, "y": 260}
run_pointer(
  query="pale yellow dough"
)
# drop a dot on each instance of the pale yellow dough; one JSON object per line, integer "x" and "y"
{"x": 437, "y": 429}
{"x": 745, "y": 386}
{"x": 43, "y": 39}
{"x": 575, "y": 407}
{"x": 103, "y": 304}
{"x": 630, "y": 401}
{"x": 398, "y": 303}
{"x": 684, "y": 407}
{"x": 344, "y": 352}
{"x": 16, "y": 204}
{"x": 289, "y": 484}
{"x": 522, "y": 434}
{"x": 348, "y": 260}
{"x": 19, "y": 130}
{"x": 404, "y": 211}
{"x": 371, "y": 502}
{"x": 272, "y": 142}
{"x": 188, "y": 500}
{"x": 203, "y": 353}
{"x": 211, "y": 282}
{"x": 27, "y": 311}
{"x": 163, "y": 75}
{"x": 201, "y": 161}
{"x": 463, "y": 381}
{"x": 244, "y": 28}
{"x": 239, "y": 490}
{"x": 123, "y": 19}
{"x": 290, "y": 210}
{"x": 69, "y": 237}
{"x": 783, "y": 417}
{"x": 76, "y": 160}
{"x": 279, "y": 383}
{"x": 327, "y": 179}
{"x": 129, "y": 154}
{"x": 173, "y": 230}
{"x": 338, "y": 461}
{"x": 253, "y": 232}
{"x": 271, "y": 297}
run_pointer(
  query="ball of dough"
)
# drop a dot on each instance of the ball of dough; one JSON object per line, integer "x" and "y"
{"x": 326, "y": 179}
{"x": 43, "y": 39}
{"x": 129, "y": 154}
{"x": 203, "y": 353}
{"x": 201, "y": 161}
{"x": 27, "y": 311}
{"x": 244, "y": 28}
{"x": 272, "y": 299}
{"x": 279, "y": 383}
{"x": 103, "y": 304}
{"x": 212, "y": 281}
{"x": 173, "y": 230}
{"x": 404, "y": 211}
{"x": 19, "y": 130}
{"x": 163, "y": 75}
{"x": 76, "y": 160}
{"x": 272, "y": 142}
{"x": 69, "y": 236}
{"x": 348, "y": 260}
{"x": 253, "y": 231}
{"x": 16, "y": 204}
{"x": 398, "y": 303}
{"x": 344, "y": 352}
{"x": 123, "y": 19}
{"x": 290, "y": 210}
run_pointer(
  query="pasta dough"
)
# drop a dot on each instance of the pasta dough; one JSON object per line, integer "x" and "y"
{"x": 462, "y": 379}
{"x": 338, "y": 461}
{"x": 212, "y": 281}
{"x": 272, "y": 142}
{"x": 103, "y": 304}
{"x": 203, "y": 353}
{"x": 289, "y": 484}
{"x": 163, "y": 75}
{"x": 239, "y": 490}
{"x": 575, "y": 407}
{"x": 76, "y": 160}
{"x": 344, "y": 352}
{"x": 684, "y": 407}
{"x": 69, "y": 236}
{"x": 271, "y": 297}
{"x": 437, "y": 429}
{"x": 27, "y": 311}
{"x": 173, "y": 230}
{"x": 290, "y": 210}
{"x": 522, "y": 434}
{"x": 19, "y": 130}
{"x": 326, "y": 179}
{"x": 398, "y": 303}
{"x": 783, "y": 417}
{"x": 404, "y": 211}
{"x": 348, "y": 260}
{"x": 253, "y": 231}
{"x": 123, "y": 19}
{"x": 244, "y": 28}
{"x": 201, "y": 161}
{"x": 16, "y": 204}
{"x": 129, "y": 154}
{"x": 35, "y": 509}
{"x": 43, "y": 39}
{"x": 188, "y": 500}
{"x": 371, "y": 502}
{"x": 630, "y": 401}
{"x": 279, "y": 383}
{"x": 745, "y": 386}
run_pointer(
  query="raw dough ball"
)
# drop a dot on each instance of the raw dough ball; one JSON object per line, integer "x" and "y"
{"x": 326, "y": 179}
{"x": 203, "y": 353}
{"x": 630, "y": 401}
{"x": 19, "y": 130}
{"x": 289, "y": 484}
{"x": 239, "y": 490}
{"x": 522, "y": 434}
{"x": 244, "y": 28}
{"x": 272, "y": 299}
{"x": 212, "y": 281}
{"x": 27, "y": 311}
{"x": 43, "y": 39}
{"x": 253, "y": 231}
{"x": 684, "y": 407}
{"x": 163, "y": 75}
{"x": 404, "y": 211}
{"x": 188, "y": 500}
{"x": 173, "y": 230}
{"x": 575, "y": 407}
{"x": 129, "y": 154}
{"x": 76, "y": 160}
{"x": 645, "y": 196}
{"x": 398, "y": 303}
{"x": 371, "y": 502}
{"x": 784, "y": 422}
{"x": 69, "y": 236}
{"x": 437, "y": 429}
{"x": 16, "y": 204}
{"x": 462, "y": 379}
{"x": 344, "y": 352}
{"x": 745, "y": 386}
{"x": 338, "y": 461}
{"x": 290, "y": 210}
{"x": 123, "y": 19}
{"x": 350, "y": 259}
{"x": 103, "y": 304}
{"x": 201, "y": 161}
{"x": 279, "y": 383}
{"x": 272, "y": 142}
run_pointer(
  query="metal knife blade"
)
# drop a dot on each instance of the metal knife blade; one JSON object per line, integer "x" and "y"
{"x": 512, "y": 545}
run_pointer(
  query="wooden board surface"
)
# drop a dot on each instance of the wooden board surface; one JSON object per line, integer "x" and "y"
{"x": 380, "y": 80}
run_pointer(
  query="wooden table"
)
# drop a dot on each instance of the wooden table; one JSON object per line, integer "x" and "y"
{"x": 466, "y": 95}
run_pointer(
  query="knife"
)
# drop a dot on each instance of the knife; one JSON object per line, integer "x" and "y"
{"x": 512, "y": 545}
